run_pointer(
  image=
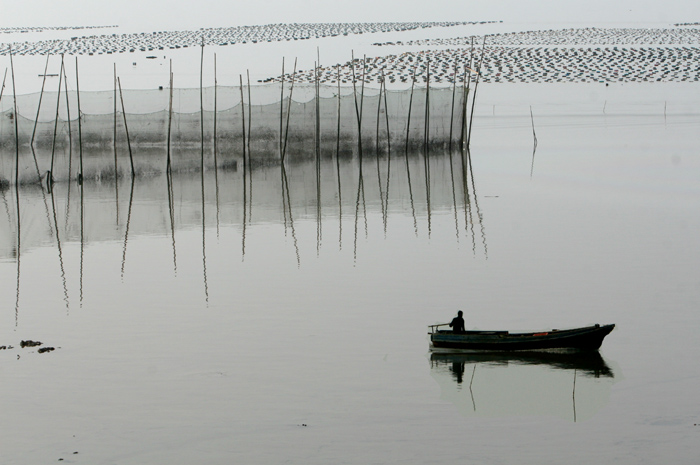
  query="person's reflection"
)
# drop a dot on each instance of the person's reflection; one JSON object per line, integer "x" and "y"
{"x": 457, "y": 371}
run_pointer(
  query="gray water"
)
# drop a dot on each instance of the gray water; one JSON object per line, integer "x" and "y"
{"x": 261, "y": 319}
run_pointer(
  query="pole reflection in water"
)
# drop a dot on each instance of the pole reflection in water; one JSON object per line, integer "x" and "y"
{"x": 524, "y": 383}
{"x": 183, "y": 204}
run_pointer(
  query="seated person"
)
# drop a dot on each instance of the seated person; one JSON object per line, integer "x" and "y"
{"x": 457, "y": 323}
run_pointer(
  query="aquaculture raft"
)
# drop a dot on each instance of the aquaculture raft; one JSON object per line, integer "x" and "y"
{"x": 585, "y": 338}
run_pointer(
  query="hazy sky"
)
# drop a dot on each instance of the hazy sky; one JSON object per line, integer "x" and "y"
{"x": 151, "y": 15}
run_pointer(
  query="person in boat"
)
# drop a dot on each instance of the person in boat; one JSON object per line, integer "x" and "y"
{"x": 457, "y": 323}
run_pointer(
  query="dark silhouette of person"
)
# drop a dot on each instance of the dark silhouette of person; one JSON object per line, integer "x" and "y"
{"x": 457, "y": 323}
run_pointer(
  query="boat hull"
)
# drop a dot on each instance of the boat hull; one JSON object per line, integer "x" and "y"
{"x": 578, "y": 339}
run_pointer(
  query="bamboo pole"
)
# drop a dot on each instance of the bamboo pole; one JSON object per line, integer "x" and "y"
{"x": 410, "y": 104}
{"x": 476, "y": 85}
{"x": 215, "y": 108}
{"x": 49, "y": 178}
{"x": 289, "y": 110}
{"x": 70, "y": 132}
{"x": 14, "y": 96}
{"x": 168, "y": 165}
{"x": 282, "y": 111}
{"x": 245, "y": 163}
{"x": 126, "y": 128}
{"x": 41, "y": 95}
{"x": 452, "y": 108}
{"x": 116, "y": 172}
{"x": 250, "y": 111}
{"x": 201, "y": 102}
{"x": 2, "y": 89}
{"x": 80, "y": 126}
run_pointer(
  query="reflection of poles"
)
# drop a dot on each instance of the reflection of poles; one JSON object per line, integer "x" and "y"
{"x": 573, "y": 395}
{"x": 476, "y": 204}
{"x": 41, "y": 95}
{"x": 287, "y": 203}
{"x": 470, "y": 387}
{"x": 171, "y": 211}
{"x": 426, "y": 147}
{"x": 19, "y": 235}
{"x": 337, "y": 168}
{"x": 82, "y": 238}
{"x": 128, "y": 224}
{"x": 204, "y": 244}
{"x": 60, "y": 253}
{"x": 534, "y": 137}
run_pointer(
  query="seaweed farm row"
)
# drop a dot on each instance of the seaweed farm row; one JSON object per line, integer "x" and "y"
{"x": 164, "y": 40}
{"x": 521, "y": 64}
{"x": 570, "y": 37}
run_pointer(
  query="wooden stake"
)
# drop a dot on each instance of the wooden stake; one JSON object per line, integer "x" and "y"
{"x": 80, "y": 127}
{"x": 289, "y": 110}
{"x": 49, "y": 179}
{"x": 41, "y": 95}
{"x": 168, "y": 165}
{"x": 282, "y": 111}
{"x": 240, "y": 79}
{"x": 126, "y": 128}
{"x": 215, "y": 108}
{"x": 14, "y": 95}
{"x": 116, "y": 172}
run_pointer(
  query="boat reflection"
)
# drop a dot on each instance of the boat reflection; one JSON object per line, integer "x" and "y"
{"x": 569, "y": 385}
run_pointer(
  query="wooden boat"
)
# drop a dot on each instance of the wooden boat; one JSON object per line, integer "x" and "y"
{"x": 586, "y": 338}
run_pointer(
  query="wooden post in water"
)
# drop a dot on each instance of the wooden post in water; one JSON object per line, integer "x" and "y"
{"x": 240, "y": 80}
{"x": 410, "y": 103}
{"x": 41, "y": 95}
{"x": 49, "y": 179}
{"x": 126, "y": 128}
{"x": 452, "y": 108}
{"x": 289, "y": 110}
{"x": 168, "y": 165}
{"x": 116, "y": 172}
{"x": 70, "y": 132}
{"x": 476, "y": 85}
{"x": 14, "y": 96}
{"x": 215, "y": 109}
{"x": 80, "y": 126}
{"x": 282, "y": 110}
{"x": 201, "y": 104}
{"x": 250, "y": 111}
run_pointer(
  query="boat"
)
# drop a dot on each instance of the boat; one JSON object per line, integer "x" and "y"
{"x": 576, "y": 339}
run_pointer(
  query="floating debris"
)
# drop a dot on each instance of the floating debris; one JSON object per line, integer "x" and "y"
{"x": 28, "y": 343}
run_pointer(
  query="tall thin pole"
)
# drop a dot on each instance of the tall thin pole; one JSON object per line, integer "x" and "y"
{"x": 201, "y": 101}
{"x": 41, "y": 95}
{"x": 116, "y": 172}
{"x": 50, "y": 178}
{"x": 240, "y": 79}
{"x": 282, "y": 110}
{"x": 215, "y": 108}
{"x": 289, "y": 110}
{"x": 168, "y": 165}
{"x": 250, "y": 110}
{"x": 80, "y": 127}
{"x": 126, "y": 128}
{"x": 14, "y": 95}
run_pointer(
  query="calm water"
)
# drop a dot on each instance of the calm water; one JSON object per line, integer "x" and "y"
{"x": 272, "y": 321}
